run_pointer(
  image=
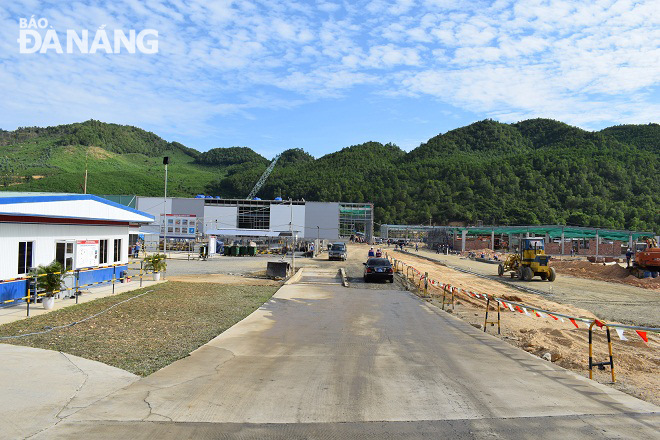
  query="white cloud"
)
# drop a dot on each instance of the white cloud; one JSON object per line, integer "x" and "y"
{"x": 329, "y": 7}
{"x": 582, "y": 62}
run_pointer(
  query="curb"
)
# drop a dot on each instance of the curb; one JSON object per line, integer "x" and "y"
{"x": 344, "y": 280}
{"x": 295, "y": 277}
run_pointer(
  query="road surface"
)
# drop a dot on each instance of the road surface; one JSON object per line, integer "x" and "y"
{"x": 325, "y": 361}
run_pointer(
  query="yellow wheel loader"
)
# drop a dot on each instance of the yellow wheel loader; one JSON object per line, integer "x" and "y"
{"x": 529, "y": 262}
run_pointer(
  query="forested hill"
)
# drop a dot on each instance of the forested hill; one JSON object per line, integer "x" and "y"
{"x": 531, "y": 172}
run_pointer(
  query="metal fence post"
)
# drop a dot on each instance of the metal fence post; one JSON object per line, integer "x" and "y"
{"x": 600, "y": 365}
{"x": 113, "y": 278}
{"x": 141, "y": 262}
{"x": 28, "y": 300}
{"x": 426, "y": 283}
{"x": 36, "y": 290}
{"x": 486, "y": 321}
{"x": 77, "y": 292}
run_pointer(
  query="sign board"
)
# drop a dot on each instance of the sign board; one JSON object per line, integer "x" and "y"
{"x": 87, "y": 253}
{"x": 179, "y": 225}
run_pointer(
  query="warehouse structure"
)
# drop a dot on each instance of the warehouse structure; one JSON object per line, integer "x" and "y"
{"x": 559, "y": 240}
{"x": 80, "y": 231}
{"x": 190, "y": 218}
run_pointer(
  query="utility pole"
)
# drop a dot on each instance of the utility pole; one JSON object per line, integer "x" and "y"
{"x": 166, "y": 160}
{"x": 85, "y": 188}
{"x": 317, "y": 248}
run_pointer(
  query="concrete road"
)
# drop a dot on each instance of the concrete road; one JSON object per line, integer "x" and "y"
{"x": 39, "y": 387}
{"x": 324, "y": 361}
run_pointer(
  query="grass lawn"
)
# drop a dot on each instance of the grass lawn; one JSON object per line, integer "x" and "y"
{"x": 145, "y": 334}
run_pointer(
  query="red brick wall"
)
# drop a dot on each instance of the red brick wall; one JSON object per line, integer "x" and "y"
{"x": 604, "y": 249}
{"x": 552, "y": 248}
{"x": 473, "y": 244}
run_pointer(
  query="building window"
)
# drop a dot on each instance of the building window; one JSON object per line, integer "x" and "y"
{"x": 103, "y": 254}
{"x": 64, "y": 254}
{"x": 25, "y": 257}
{"x": 254, "y": 217}
{"x": 117, "y": 250}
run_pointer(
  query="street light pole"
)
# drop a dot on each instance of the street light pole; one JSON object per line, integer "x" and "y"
{"x": 166, "y": 160}
{"x": 317, "y": 248}
{"x": 85, "y": 188}
{"x": 293, "y": 245}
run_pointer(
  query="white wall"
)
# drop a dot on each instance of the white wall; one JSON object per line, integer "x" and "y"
{"x": 280, "y": 216}
{"x": 325, "y": 216}
{"x": 153, "y": 206}
{"x": 226, "y": 216}
{"x": 45, "y": 236}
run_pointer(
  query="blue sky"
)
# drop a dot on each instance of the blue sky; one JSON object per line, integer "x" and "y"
{"x": 323, "y": 75}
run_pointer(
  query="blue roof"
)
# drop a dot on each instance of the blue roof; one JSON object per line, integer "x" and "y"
{"x": 11, "y": 197}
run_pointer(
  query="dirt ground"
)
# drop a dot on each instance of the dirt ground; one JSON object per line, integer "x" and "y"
{"x": 234, "y": 280}
{"x": 614, "y": 273}
{"x": 611, "y": 301}
{"x": 637, "y": 363}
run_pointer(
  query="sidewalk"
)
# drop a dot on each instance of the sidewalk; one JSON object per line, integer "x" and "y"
{"x": 19, "y": 311}
{"x": 41, "y": 387}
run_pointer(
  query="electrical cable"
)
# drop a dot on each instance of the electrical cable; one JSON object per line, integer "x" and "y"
{"x": 50, "y": 329}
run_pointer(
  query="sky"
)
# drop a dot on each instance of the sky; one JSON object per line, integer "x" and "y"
{"x": 324, "y": 75}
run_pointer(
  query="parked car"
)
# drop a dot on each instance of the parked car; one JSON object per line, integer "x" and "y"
{"x": 378, "y": 269}
{"x": 338, "y": 252}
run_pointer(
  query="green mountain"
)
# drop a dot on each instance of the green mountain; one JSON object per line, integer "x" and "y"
{"x": 533, "y": 172}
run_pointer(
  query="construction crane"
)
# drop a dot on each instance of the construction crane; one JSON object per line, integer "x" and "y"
{"x": 263, "y": 178}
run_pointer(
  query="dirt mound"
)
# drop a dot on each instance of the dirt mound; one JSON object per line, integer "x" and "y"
{"x": 604, "y": 272}
{"x": 487, "y": 253}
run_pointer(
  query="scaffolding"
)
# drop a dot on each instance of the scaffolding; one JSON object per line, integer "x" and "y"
{"x": 356, "y": 219}
{"x": 507, "y": 237}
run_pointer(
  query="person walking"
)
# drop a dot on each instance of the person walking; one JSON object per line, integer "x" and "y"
{"x": 629, "y": 254}
{"x": 416, "y": 247}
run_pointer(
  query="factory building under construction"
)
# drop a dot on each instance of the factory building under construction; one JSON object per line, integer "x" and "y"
{"x": 190, "y": 218}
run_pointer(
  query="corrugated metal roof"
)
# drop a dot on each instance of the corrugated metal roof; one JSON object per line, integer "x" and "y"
{"x": 75, "y": 206}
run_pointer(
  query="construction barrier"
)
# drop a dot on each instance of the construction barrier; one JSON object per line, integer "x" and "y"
{"x": 600, "y": 365}
{"x": 32, "y": 296}
{"x": 492, "y": 323}
{"x": 448, "y": 293}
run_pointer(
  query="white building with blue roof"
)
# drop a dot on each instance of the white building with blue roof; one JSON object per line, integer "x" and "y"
{"x": 81, "y": 231}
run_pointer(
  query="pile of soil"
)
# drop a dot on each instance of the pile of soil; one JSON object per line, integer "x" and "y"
{"x": 604, "y": 272}
{"x": 488, "y": 254}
